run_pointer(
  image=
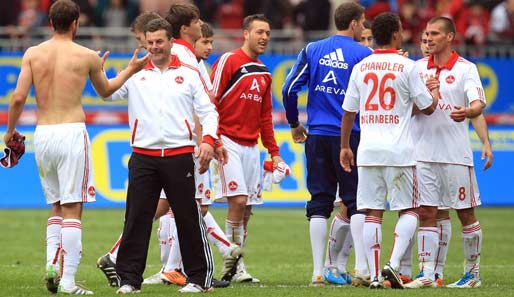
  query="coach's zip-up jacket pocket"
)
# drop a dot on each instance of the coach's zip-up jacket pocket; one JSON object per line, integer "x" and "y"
{"x": 134, "y": 132}
{"x": 189, "y": 130}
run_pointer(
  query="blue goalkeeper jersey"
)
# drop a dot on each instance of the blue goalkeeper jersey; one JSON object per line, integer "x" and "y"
{"x": 324, "y": 65}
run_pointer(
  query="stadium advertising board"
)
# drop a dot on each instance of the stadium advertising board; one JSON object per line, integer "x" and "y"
{"x": 495, "y": 75}
{"x": 20, "y": 186}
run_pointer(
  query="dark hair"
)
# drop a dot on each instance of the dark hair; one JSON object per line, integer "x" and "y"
{"x": 159, "y": 24}
{"x": 62, "y": 14}
{"x": 139, "y": 23}
{"x": 248, "y": 20}
{"x": 367, "y": 24}
{"x": 207, "y": 30}
{"x": 448, "y": 25}
{"x": 383, "y": 27}
{"x": 346, "y": 13}
{"x": 181, "y": 15}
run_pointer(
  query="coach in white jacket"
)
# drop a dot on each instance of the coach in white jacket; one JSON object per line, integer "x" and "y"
{"x": 161, "y": 100}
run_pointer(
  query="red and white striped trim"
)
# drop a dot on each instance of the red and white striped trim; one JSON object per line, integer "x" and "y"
{"x": 85, "y": 177}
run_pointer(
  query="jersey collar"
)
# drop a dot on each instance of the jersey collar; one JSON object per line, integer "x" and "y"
{"x": 385, "y": 51}
{"x": 448, "y": 65}
{"x": 185, "y": 43}
{"x": 174, "y": 63}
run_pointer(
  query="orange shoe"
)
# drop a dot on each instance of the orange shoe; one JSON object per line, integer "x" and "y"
{"x": 439, "y": 282}
{"x": 174, "y": 277}
{"x": 405, "y": 279}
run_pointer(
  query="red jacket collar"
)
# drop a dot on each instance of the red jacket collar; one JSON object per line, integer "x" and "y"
{"x": 186, "y": 44}
{"x": 448, "y": 65}
{"x": 174, "y": 63}
{"x": 385, "y": 51}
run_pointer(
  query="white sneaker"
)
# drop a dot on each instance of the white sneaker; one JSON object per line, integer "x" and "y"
{"x": 317, "y": 281}
{"x": 153, "y": 280}
{"x": 77, "y": 290}
{"x": 194, "y": 288}
{"x": 421, "y": 282}
{"x": 360, "y": 280}
{"x": 127, "y": 289}
{"x": 468, "y": 280}
{"x": 244, "y": 277}
{"x": 230, "y": 263}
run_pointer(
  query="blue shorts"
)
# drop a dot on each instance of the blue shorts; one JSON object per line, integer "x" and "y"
{"x": 324, "y": 174}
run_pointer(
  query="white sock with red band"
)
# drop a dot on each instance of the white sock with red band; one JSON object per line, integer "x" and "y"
{"x": 472, "y": 240}
{"x": 403, "y": 232}
{"x": 445, "y": 234}
{"x": 339, "y": 229}
{"x": 216, "y": 235}
{"x": 428, "y": 239}
{"x": 53, "y": 241}
{"x": 372, "y": 240}
{"x": 71, "y": 238}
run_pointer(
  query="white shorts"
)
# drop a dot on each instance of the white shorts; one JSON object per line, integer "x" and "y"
{"x": 241, "y": 174}
{"x": 447, "y": 185}
{"x": 376, "y": 182}
{"x": 203, "y": 188}
{"x": 63, "y": 158}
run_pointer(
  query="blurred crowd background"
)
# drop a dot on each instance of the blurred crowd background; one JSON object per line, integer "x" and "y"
{"x": 485, "y": 27}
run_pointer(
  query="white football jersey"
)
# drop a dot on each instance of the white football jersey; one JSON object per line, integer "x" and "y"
{"x": 383, "y": 88}
{"x": 439, "y": 138}
{"x": 185, "y": 53}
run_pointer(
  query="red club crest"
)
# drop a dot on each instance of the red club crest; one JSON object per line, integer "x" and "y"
{"x": 450, "y": 79}
{"x": 232, "y": 186}
{"x": 91, "y": 191}
{"x": 179, "y": 79}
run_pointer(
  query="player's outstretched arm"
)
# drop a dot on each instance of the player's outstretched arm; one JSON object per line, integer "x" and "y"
{"x": 480, "y": 125}
{"x": 105, "y": 87}
{"x": 19, "y": 96}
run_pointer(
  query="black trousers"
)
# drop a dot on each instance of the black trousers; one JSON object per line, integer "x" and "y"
{"x": 147, "y": 176}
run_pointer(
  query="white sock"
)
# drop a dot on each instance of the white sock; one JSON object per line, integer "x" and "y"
{"x": 113, "y": 252}
{"x": 175, "y": 258}
{"x": 235, "y": 232}
{"x": 445, "y": 234}
{"x": 406, "y": 261}
{"x": 428, "y": 239}
{"x": 403, "y": 232}
{"x": 339, "y": 229}
{"x": 357, "y": 226}
{"x": 344, "y": 253}
{"x": 53, "y": 241}
{"x": 372, "y": 239}
{"x": 163, "y": 236}
{"x": 318, "y": 235}
{"x": 472, "y": 240}
{"x": 216, "y": 235}
{"x": 71, "y": 237}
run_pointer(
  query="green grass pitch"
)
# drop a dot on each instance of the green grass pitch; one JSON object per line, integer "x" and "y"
{"x": 277, "y": 252}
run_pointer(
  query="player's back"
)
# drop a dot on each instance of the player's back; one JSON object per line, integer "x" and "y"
{"x": 60, "y": 69}
{"x": 385, "y": 89}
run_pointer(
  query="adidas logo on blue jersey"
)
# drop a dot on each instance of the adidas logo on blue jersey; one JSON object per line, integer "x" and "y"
{"x": 334, "y": 59}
